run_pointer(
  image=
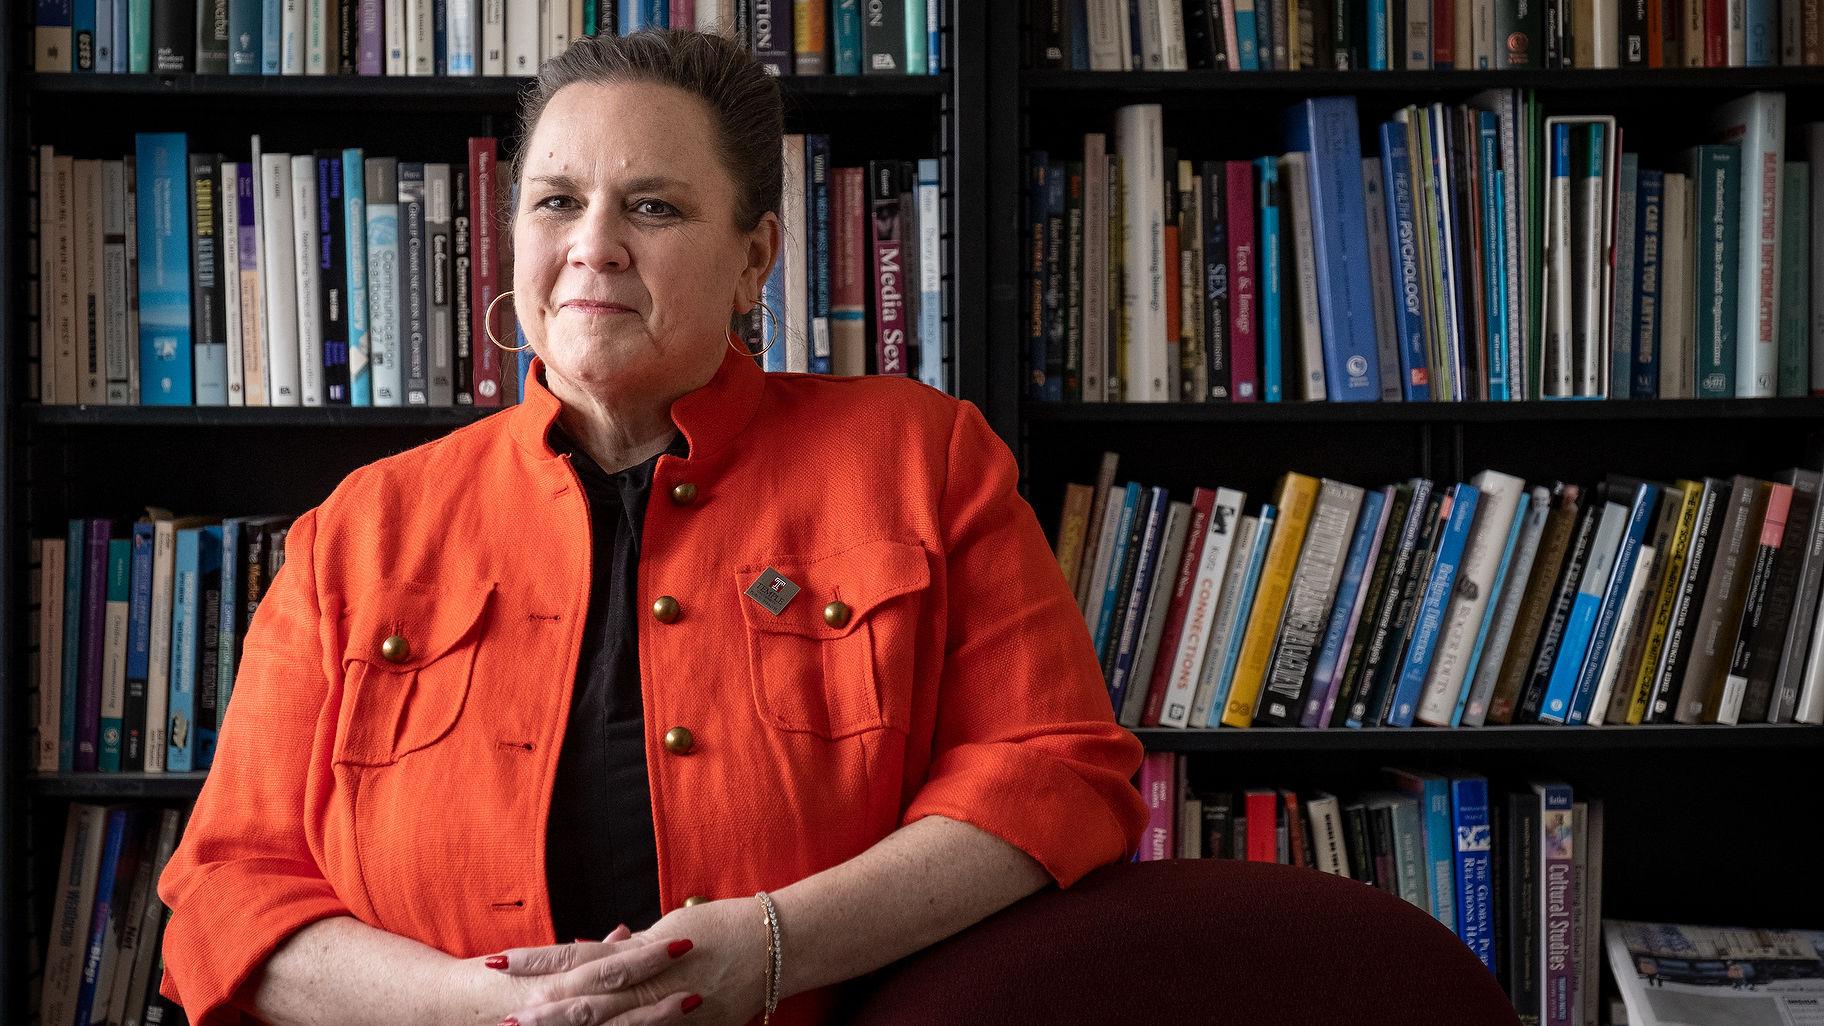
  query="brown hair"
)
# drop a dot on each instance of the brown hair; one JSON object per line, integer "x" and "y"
{"x": 744, "y": 101}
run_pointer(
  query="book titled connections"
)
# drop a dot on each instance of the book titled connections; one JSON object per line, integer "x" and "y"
{"x": 164, "y": 268}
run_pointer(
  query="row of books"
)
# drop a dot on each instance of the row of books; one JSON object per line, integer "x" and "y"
{"x": 102, "y": 962}
{"x": 1488, "y": 253}
{"x": 464, "y": 37}
{"x": 1515, "y": 872}
{"x": 335, "y": 278}
{"x": 1378, "y": 35}
{"x": 137, "y": 631}
{"x": 1454, "y": 605}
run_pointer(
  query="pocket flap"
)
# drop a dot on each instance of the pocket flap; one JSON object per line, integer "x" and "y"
{"x": 431, "y": 619}
{"x": 861, "y": 577}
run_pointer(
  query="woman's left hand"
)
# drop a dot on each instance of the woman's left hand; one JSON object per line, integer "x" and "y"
{"x": 725, "y": 966}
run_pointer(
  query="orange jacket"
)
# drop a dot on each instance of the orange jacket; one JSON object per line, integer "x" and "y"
{"x": 411, "y": 792}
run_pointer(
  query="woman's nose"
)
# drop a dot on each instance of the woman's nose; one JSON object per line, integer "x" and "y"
{"x": 599, "y": 241}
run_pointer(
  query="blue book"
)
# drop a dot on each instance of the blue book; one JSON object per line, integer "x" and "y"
{"x": 1248, "y": 49}
{"x": 1377, "y": 35}
{"x": 845, "y": 31}
{"x": 104, "y": 37}
{"x": 1231, "y": 645}
{"x": 1433, "y": 793}
{"x": 1079, "y": 37}
{"x": 272, "y": 32}
{"x": 119, "y": 852}
{"x": 1130, "y": 502}
{"x": 1474, "y": 876}
{"x": 354, "y": 204}
{"x": 1355, "y": 564}
{"x": 1494, "y": 269}
{"x": 82, "y": 31}
{"x": 117, "y": 44}
{"x": 773, "y": 294}
{"x": 1051, "y": 324}
{"x": 1270, "y": 363}
{"x": 246, "y": 38}
{"x": 1402, "y": 238}
{"x": 933, "y": 41}
{"x": 1136, "y": 57}
{"x": 120, "y": 590}
{"x": 525, "y": 363}
{"x": 1324, "y": 129}
{"x": 440, "y": 37}
{"x": 817, "y": 246}
{"x": 162, "y": 167}
{"x": 1488, "y": 609}
{"x": 199, "y": 551}
{"x": 1649, "y": 194}
{"x": 139, "y": 650}
{"x": 652, "y": 14}
{"x": 1150, "y": 541}
{"x": 72, "y": 646}
{"x": 1602, "y": 634}
{"x": 1429, "y": 619}
{"x": 1761, "y": 15}
{"x": 1580, "y": 624}
{"x": 931, "y": 283}
{"x": 234, "y": 558}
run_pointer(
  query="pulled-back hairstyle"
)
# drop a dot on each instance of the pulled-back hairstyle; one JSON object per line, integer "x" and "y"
{"x": 744, "y": 101}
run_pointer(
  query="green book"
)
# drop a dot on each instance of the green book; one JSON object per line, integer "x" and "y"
{"x": 1795, "y": 281}
{"x": 1715, "y": 173}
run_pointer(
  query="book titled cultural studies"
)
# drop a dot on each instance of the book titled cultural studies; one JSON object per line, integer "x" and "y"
{"x": 1555, "y": 855}
{"x": 165, "y": 350}
{"x": 1326, "y": 130}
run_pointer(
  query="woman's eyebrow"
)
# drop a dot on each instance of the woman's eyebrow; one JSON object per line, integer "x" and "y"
{"x": 648, "y": 183}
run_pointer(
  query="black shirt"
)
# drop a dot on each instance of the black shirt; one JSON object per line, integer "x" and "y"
{"x": 601, "y": 857}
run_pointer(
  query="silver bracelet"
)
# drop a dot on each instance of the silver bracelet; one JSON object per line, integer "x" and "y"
{"x": 774, "y": 957}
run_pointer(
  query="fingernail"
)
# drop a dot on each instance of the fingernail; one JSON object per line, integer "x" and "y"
{"x": 582, "y": 940}
{"x": 677, "y": 949}
{"x": 498, "y": 962}
{"x": 690, "y": 1005}
{"x": 509, "y": 1021}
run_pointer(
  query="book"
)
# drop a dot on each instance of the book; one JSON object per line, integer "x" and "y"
{"x": 888, "y": 227}
{"x": 384, "y": 280}
{"x": 1139, "y": 143}
{"x": 114, "y": 654}
{"x": 1349, "y": 675}
{"x": 1808, "y": 549}
{"x": 1577, "y": 555}
{"x": 1326, "y": 130}
{"x": 209, "y": 319}
{"x": 1757, "y": 124}
{"x": 1754, "y": 632}
{"x": 1313, "y": 584}
{"x": 1346, "y": 611}
{"x": 1158, "y": 775}
{"x": 93, "y": 625}
{"x": 1715, "y": 172}
{"x": 113, "y": 885}
{"x": 1437, "y": 836}
{"x": 73, "y": 905}
{"x": 1232, "y": 618}
{"x": 1428, "y": 616}
{"x": 1378, "y": 648}
{"x": 1614, "y": 583}
{"x": 439, "y": 287}
{"x": 1148, "y": 607}
{"x": 333, "y": 293}
{"x": 1557, "y": 898}
{"x": 161, "y": 167}
{"x": 1294, "y": 498}
{"x": 1459, "y": 632}
{"x": 1472, "y": 846}
{"x": 1521, "y": 856}
{"x": 50, "y": 651}
{"x": 414, "y": 286}
{"x": 1718, "y": 617}
{"x": 1186, "y": 632}
{"x": 279, "y": 261}
{"x": 1694, "y": 576}
{"x": 1681, "y": 506}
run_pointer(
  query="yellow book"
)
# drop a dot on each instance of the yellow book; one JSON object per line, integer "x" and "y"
{"x": 1668, "y": 585}
{"x": 1073, "y": 525}
{"x": 1294, "y": 496}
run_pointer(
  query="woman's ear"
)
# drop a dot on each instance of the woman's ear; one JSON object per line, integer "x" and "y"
{"x": 763, "y": 244}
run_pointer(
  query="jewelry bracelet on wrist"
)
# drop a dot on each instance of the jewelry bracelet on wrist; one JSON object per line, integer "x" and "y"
{"x": 774, "y": 957}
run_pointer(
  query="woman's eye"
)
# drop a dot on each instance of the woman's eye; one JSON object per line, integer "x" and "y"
{"x": 654, "y": 208}
{"x": 555, "y": 203}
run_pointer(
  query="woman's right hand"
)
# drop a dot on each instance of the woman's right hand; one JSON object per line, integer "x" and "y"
{"x": 614, "y": 974}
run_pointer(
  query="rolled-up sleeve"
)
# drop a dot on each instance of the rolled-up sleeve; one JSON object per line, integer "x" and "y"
{"x": 1026, "y": 746}
{"x": 246, "y": 874}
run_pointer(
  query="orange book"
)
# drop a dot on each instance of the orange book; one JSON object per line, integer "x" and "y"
{"x": 1073, "y": 525}
{"x": 809, "y": 56}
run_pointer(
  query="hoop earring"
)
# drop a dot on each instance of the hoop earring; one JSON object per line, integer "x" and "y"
{"x": 735, "y": 344}
{"x": 487, "y": 325}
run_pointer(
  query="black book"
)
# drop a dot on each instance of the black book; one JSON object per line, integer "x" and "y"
{"x": 1412, "y": 592}
{"x": 1564, "y": 593}
{"x": 1355, "y": 841}
{"x": 883, "y": 38}
{"x": 1706, "y": 535}
{"x": 1383, "y": 850}
{"x": 173, "y": 36}
{"x": 1769, "y": 607}
{"x": 1497, "y": 881}
{"x": 348, "y": 37}
{"x": 1797, "y": 642}
{"x": 208, "y": 301}
{"x": 1050, "y": 36}
{"x": 1205, "y": 44}
{"x": 1054, "y": 258}
{"x": 1634, "y": 33}
{"x": 1037, "y": 220}
{"x": 332, "y": 276}
{"x": 770, "y": 33}
{"x": 1466, "y": 174}
{"x": 1519, "y": 857}
{"x": 1215, "y": 285}
{"x": 208, "y": 665}
{"x": 212, "y": 37}
{"x": 463, "y": 329}
{"x": 1385, "y": 644}
{"x": 1218, "y": 829}
{"x": 1130, "y": 564}
{"x": 1349, "y": 691}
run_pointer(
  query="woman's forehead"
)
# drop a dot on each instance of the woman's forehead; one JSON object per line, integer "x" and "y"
{"x": 640, "y": 128}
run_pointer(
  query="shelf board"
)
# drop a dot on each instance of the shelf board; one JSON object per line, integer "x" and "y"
{"x": 254, "y": 416}
{"x": 1682, "y": 410}
{"x": 500, "y": 89}
{"x": 118, "y": 785}
{"x": 1317, "y": 82}
{"x": 1528, "y": 738}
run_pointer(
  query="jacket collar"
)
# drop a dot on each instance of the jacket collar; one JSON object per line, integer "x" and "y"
{"x": 710, "y": 417}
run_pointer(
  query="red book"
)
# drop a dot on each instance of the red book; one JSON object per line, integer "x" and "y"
{"x": 1244, "y": 291}
{"x": 683, "y": 15}
{"x": 484, "y": 268}
{"x": 887, "y": 228}
{"x": 1203, "y": 500}
{"x": 1716, "y": 33}
{"x": 1262, "y": 809}
{"x": 1159, "y": 786}
{"x": 1444, "y": 35}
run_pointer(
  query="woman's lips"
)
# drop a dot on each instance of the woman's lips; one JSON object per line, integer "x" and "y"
{"x": 592, "y": 306}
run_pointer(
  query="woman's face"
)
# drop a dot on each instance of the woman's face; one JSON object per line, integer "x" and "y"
{"x": 627, "y": 260}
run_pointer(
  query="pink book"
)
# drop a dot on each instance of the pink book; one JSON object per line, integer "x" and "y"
{"x": 683, "y": 15}
{"x": 1244, "y": 285}
{"x": 484, "y": 267}
{"x": 1159, "y": 785}
{"x": 887, "y": 229}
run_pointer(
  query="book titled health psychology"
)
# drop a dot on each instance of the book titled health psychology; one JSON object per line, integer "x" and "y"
{"x": 162, "y": 163}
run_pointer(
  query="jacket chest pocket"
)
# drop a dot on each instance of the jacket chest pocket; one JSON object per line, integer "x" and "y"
{"x": 406, "y": 668}
{"x": 838, "y": 659}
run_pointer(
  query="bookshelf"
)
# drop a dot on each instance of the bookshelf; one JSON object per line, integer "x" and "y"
{"x": 1704, "y": 824}
{"x": 62, "y": 461}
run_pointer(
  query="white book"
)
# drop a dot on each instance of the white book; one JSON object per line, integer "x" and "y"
{"x": 230, "y": 276}
{"x": 420, "y": 38}
{"x": 1095, "y": 267}
{"x": 1152, "y": 617}
{"x": 794, "y": 320}
{"x": 1152, "y": 43}
{"x": 1209, "y": 678}
{"x": 50, "y": 651}
{"x": 117, "y": 388}
{"x": 1107, "y": 35}
{"x": 1482, "y": 551}
{"x": 1736, "y": 33}
{"x": 91, "y": 268}
{"x": 49, "y": 211}
{"x": 304, "y": 237}
{"x": 294, "y": 42}
{"x": 1617, "y": 653}
{"x": 1757, "y": 123}
{"x": 459, "y": 34}
{"x": 1106, "y": 539}
{"x": 1481, "y": 36}
{"x": 1507, "y": 611}
{"x": 1380, "y": 270}
{"x": 1139, "y": 141}
{"x": 84, "y": 831}
{"x": 1605, "y": 47}
{"x": 1810, "y": 707}
{"x": 158, "y": 640}
{"x": 316, "y": 37}
{"x": 396, "y": 33}
{"x": 1293, "y": 171}
{"x": 278, "y": 269}
{"x": 493, "y": 51}
{"x": 442, "y": 301}
{"x": 1677, "y": 360}
{"x": 932, "y": 362}
{"x": 709, "y": 16}
{"x": 1308, "y": 599}
{"x": 1173, "y": 56}
{"x": 1418, "y": 38}
{"x": 1330, "y": 853}
{"x": 522, "y": 35}
{"x": 554, "y": 37}
{"x": 1204, "y": 600}
{"x": 384, "y": 275}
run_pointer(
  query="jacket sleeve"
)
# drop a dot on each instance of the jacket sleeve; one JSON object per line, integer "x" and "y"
{"x": 246, "y": 874}
{"x": 1026, "y": 745}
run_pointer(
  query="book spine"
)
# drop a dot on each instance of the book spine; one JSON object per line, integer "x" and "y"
{"x": 1693, "y": 578}
{"x": 485, "y": 229}
{"x": 1345, "y": 613}
{"x": 1429, "y": 619}
{"x": 305, "y": 262}
{"x": 1459, "y": 635}
{"x": 414, "y": 285}
{"x": 1807, "y": 545}
{"x": 1650, "y": 190}
{"x": 384, "y": 279}
{"x": 1289, "y": 673}
{"x": 1233, "y": 620}
{"x": 1296, "y": 496}
{"x": 1172, "y": 632}
{"x": 1479, "y": 675}
{"x": 1392, "y": 567}
{"x": 279, "y": 260}
{"x": 848, "y": 273}
{"x": 439, "y": 286}
{"x": 1716, "y": 181}
{"x": 1160, "y": 586}
{"x": 50, "y": 653}
{"x": 117, "y": 342}
{"x": 207, "y": 631}
{"x": 354, "y": 265}
{"x": 164, "y": 269}
{"x": 1556, "y": 903}
{"x": 1614, "y": 590}
{"x": 1326, "y": 128}
{"x": 114, "y": 655}
{"x": 1532, "y": 700}
{"x": 1475, "y": 887}
{"x": 228, "y": 195}
{"x": 332, "y": 274}
{"x": 1244, "y": 283}
{"x": 94, "y": 634}
{"x": 883, "y": 38}
{"x": 887, "y": 237}
{"x": 932, "y": 362}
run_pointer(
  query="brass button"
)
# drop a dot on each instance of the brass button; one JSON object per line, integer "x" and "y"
{"x": 665, "y": 609}
{"x": 678, "y": 741}
{"x": 694, "y": 900}
{"x": 396, "y": 649}
{"x": 836, "y": 614}
{"x": 683, "y": 494}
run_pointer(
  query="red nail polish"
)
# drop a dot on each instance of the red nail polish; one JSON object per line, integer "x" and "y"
{"x": 690, "y": 1004}
{"x": 582, "y": 940}
{"x": 498, "y": 962}
{"x": 509, "y": 1021}
{"x": 677, "y": 949}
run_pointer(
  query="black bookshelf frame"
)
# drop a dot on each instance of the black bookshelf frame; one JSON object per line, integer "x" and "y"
{"x": 14, "y": 957}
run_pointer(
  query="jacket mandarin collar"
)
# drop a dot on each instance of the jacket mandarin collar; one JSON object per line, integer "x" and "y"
{"x": 710, "y": 417}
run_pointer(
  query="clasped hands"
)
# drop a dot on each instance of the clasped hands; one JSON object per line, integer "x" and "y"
{"x": 704, "y": 965}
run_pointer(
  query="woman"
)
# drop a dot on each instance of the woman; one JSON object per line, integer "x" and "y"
{"x": 498, "y": 700}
